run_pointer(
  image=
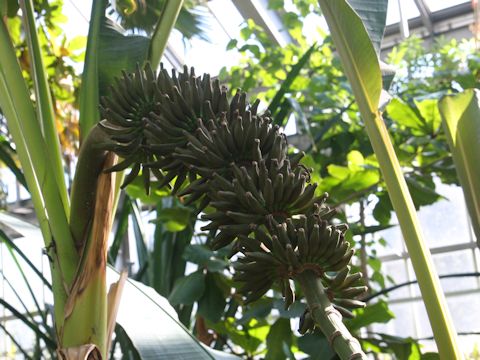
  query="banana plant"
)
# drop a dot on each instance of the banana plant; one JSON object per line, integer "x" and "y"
{"x": 356, "y": 44}
{"x": 75, "y": 228}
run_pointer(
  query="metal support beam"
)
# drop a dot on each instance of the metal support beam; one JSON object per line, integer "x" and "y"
{"x": 404, "y": 29}
{"x": 269, "y": 20}
{"x": 453, "y": 22}
{"x": 425, "y": 15}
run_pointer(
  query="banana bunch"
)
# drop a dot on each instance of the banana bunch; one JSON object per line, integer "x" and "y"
{"x": 259, "y": 197}
{"x": 166, "y": 124}
{"x": 289, "y": 248}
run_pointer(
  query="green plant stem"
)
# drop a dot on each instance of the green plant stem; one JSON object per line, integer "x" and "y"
{"x": 89, "y": 93}
{"x": 162, "y": 31}
{"x": 30, "y": 145}
{"x": 327, "y": 318}
{"x": 86, "y": 309}
{"x": 44, "y": 101}
{"x": 89, "y": 167}
{"x": 428, "y": 281}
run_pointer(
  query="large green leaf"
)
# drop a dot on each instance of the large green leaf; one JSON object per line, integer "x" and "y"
{"x": 118, "y": 51}
{"x": 359, "y": 60}
{"x": 152, "y": 325}
{"x": 44, "y": 104}
{"x": 461, "y": 121}
{"x": 109, "y": 51}
{"x": 362, "y": 68}
{"x": 374, "y": 16}
{"x": 89, "y": 96}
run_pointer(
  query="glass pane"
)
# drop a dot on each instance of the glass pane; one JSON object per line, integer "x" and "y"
{"x": 409, "y": 9}
{"x": 397, "y": 270}
{"x": 422, "y": 323}
{"x": 464, "y": 310}
{"x": 456, "y": 262}
{"x": 394, "y": 241}
{"x": 209, "y": 56}
{"x": 452, "y": 263}
{"x": 435, "y": 5}
{"x": 401, "y": 325}
{"x": 436, "y": 220}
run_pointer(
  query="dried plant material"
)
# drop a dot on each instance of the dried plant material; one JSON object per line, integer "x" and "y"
{"x": 84, "y": 352}
{"x": 113, "y": 303}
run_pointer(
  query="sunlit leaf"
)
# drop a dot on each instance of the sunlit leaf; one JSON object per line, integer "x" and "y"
{"x": 280, "y": 333}
{"x": 460, "y": 115}
{"x": 174, "y": 219}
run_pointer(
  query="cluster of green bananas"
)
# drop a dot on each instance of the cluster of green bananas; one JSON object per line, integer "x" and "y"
{"x": 259, "y": 196}
{"x": 289, "y": 248}
{"x": 183, "y": 126}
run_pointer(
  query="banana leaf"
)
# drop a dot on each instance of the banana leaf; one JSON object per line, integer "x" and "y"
{"x": 461, "y": 121}
{"x": 148, "y": 319}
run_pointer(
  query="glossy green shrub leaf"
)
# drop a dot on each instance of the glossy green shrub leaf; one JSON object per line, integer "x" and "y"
{"x": 259, "y": 309}
{"x": 174, "y": 219}
{"x": 404, "y": 115}
{"x": 376, "y": 313}
{"x": 280, "y": 334}
{"x": 315, "y": 345}
{"x": 136, "y": 190}
{"x": 188, "y": 289}
{"x": 249, "y": 337}
{"x": 205, "y": 258}
{"x": 212, "y": 304}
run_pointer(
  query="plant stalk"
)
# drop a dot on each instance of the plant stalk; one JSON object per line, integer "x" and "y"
{"x": 30, "y": 145}
{"x": 86, "y": 308}
{"x": 327, "y": 318}
{"x": 164, "y": 27}
{"x": 89, "y": 93}
{"x": 362, "y": 68}
{"x": 45, "y": 111}
{"x": 428, "y": 281}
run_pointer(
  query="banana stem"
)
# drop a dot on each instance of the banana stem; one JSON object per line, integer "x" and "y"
{"x": 328, "y": 319}
{"x": 89, "y": 167}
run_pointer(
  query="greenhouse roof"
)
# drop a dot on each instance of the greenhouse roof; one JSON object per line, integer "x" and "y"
{"x": 425, "y": 18}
